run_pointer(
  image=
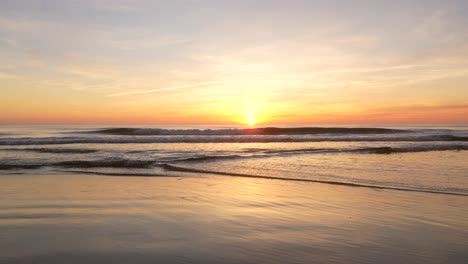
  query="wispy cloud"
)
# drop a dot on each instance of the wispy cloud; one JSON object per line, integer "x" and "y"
{"x": 194, "y": 85}
{"x": 7, "y": 75}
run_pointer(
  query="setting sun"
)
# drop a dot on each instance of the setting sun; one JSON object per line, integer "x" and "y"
{"x": 251, "y": 120}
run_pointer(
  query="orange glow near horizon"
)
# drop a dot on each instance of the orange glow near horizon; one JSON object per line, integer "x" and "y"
{"x": 231, "y": 116}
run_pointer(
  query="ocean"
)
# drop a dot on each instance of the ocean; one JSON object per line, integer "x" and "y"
{"x": 103, "y": 194}
{"x": 428, "y": 159}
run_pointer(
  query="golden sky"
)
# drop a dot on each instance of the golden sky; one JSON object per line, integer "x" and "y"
{"x": 234, "y": 62}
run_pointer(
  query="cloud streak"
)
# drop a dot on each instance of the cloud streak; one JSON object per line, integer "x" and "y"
{"x": 195, "y": 85}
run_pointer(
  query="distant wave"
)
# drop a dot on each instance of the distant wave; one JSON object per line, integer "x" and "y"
{"x": 244, "y": 131}
{"x": 19, "y": 166}
{"x": 226, "y": 139}
{"x": 184, "y": 169}
{"x": 54, "y": 150}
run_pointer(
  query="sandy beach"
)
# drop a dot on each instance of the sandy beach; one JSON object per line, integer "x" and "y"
{"x": 217, "y": 219}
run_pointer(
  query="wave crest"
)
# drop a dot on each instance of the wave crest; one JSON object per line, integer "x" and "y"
{"x": 54, "y": 150}
{"x": 245, "y": 131}
{"x": 106, "y": 163}
{"x": 226, "y": 139}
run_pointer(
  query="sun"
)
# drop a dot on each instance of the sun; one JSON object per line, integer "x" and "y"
{"x": 251, "y": 119}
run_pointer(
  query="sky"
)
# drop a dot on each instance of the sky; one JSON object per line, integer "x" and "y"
{"x": 233, "y": 62}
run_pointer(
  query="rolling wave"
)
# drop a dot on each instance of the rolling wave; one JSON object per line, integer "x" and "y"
{"x": 53, "y": 150}
{"x": 225, "y": 139}
{"x": 249, "y": 153}
{"x": 265, "y": 153}
{"x": 20, "y": 166}
{"x": 245, "y": 131}
{"x": 105, "y": 163}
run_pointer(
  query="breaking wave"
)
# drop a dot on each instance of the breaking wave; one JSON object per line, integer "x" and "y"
{"x": 245, "y": 131}
{"x": 246, "y": 154}
{"x": 105, "y": 163}
{"x": 19, "y": 166}
{"x": 54, "y": 150}
{"x": 225, "y": 139}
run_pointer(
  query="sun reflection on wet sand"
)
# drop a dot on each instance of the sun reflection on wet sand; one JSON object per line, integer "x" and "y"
{"x": 223, "y": 220}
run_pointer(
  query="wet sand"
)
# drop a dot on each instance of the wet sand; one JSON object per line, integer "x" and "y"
{"x": 218, "y": 219}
